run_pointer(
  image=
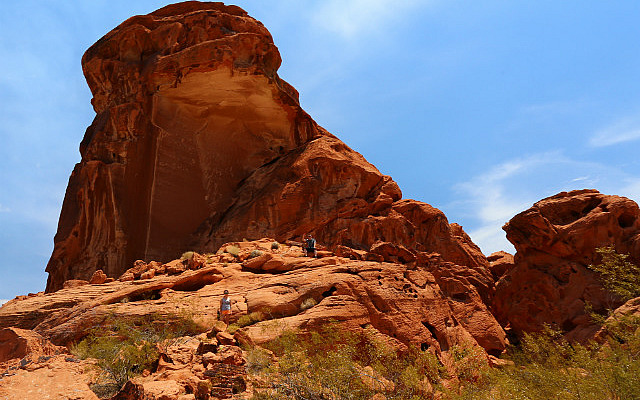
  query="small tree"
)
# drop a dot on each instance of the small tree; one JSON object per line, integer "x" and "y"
{"x": 618, "y": 275}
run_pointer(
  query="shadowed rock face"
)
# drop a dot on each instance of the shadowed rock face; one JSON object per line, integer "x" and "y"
{"x": 198, "y": 142}
{"x": 555, "y": 240}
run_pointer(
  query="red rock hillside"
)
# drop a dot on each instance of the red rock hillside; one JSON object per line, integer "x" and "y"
{"x": 198, "y": 142}
{"x": 555, "y": 242}
{"x": 420, "y": 304}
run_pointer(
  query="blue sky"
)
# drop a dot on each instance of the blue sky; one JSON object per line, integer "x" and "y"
{"x": 478, "y": 108}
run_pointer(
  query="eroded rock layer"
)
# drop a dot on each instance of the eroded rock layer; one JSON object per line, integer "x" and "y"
{"x": 429, "y": 303}
{"x": 197, "y": 142}
{"x": 556, "y": 240}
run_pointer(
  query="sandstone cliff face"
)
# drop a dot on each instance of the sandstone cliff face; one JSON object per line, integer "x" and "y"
{"x": 197, "y": 142}
{"x": 555, "y": 242}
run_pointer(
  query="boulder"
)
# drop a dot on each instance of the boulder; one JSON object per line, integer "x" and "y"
{"x": 16, "y": 343}
{"x": 225, "y": 338}
{"x": 98, "y": 277}
{"x": 500, "y": 262}
{"x": 555, "y": 241}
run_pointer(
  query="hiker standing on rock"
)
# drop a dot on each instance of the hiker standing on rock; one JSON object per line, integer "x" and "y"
{"x": 309, "y": 245}
{"x": 225, "y": 307}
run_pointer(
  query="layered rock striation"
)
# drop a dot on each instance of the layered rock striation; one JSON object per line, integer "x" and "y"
{"x": 550, "y": 282}
{"x": 197, "y": 141}
{"x": 424, "y": 305}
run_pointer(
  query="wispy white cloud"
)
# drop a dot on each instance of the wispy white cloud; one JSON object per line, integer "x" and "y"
{"x": 4, "y": 209}
{"x": 631, "y": 189}
{"x": 352, "y": 18}
{"x": 492, "y": 198}
{"x": 2, "y": 301}
{"x": 621, "y": 131}
{"x": 552, "y": 108}
{"x": 580, "y": 179}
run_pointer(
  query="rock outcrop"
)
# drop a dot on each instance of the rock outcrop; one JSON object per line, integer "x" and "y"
{"x": 500, "y": 263}
{"x": 428, "y": 303}
{"x": 198, "y": 142}
{"x": 555, "y": 240}
{"x": 19, "y": 343}
{"x": 31, "y": 367}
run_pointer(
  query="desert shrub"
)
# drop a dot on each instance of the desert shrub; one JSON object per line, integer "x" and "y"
{"x": 255, "y": 253}
{"x": 275, "y": 246}
{"x": 618, "y": 275}
{"x": 233, "y": 250}
{"x": 331, "y": 363}
{"x": 308, "y": 303}
{"x": 470, "y": 363}
{"x": 250, "y": 319}
{"x": 546, "y": 366}
{"x": 124, "y": 347}
{"x": 187, "y": 255}
{"x": 244, "y": 320}
{"x": 258, "y": 359}
{"x": 232, "y": 328}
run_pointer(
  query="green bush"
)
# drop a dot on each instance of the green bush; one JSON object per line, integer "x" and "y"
{"x": 470, "y": 363}
{"x": 275, "y": 246}
{"x": 546, "y": 366}
{"x": 232, "y": 328}
{"x": 233, "y": 250}
{"x": 258, "y": 359}
{"x": 188, "y": 255}
{"x": 255, "y": 253}
{"x": 308, "y": 303}
{"x": 618, "y": 275}
{"x": 332, "y": 364}
{"x": 124, "y": 347}
{"x": 250, "y": 319}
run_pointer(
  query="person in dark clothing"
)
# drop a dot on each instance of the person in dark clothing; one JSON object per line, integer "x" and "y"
{"x": 309, "y": 246}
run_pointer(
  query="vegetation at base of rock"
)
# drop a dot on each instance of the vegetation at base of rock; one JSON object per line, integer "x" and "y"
{"x": 233, "y": 250}
{"x": 334, "y": 363}
{"x": 470, "y": 363}
{"x": 187, "y": 255}
{"x": 232, "y": 328}
{"x": 308, "y": 303}
{"x": 250, "y": 319}
{"x": 546, "y": 366}
{"x": 275, "y": 246}
{"x": 125, "y": 347}
{"x": 618, "y": 275}
{"x": 258, "y": 359}
{"x": 255, "y": 253}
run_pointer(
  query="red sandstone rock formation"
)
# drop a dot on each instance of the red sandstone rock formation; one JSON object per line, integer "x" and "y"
{"x": 197, "y": 142}
{"x": 500, "y": 263}
{"x": 429, "y": 303}
{"x": 555, "y": 242}
{"x": 46, "y": 377}
{"x": 19, "y": 343}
